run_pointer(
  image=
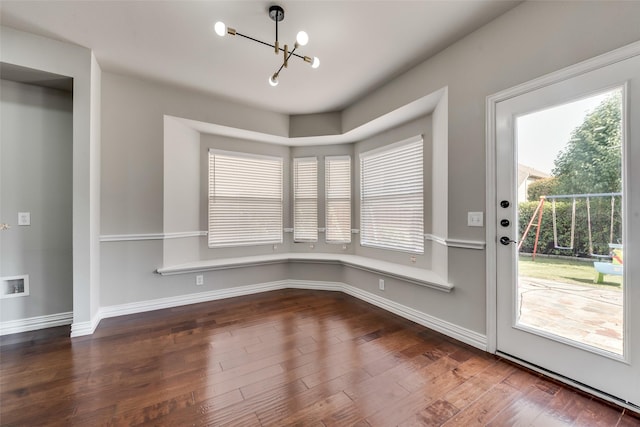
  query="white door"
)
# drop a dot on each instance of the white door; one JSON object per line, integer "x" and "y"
{"x": 551, "y": 312}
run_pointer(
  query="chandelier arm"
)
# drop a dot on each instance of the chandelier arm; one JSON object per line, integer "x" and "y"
{"x": 292, "y": 53}
{"x": 255, "y": 40}
{"x": 282, "y": 66}
{"x": 268, "y": 44}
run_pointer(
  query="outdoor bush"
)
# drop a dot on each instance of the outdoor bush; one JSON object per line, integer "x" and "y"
{"x": 600, "y": 226}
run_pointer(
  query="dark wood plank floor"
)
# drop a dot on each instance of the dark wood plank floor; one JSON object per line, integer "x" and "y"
{"x": 288, "y": 357}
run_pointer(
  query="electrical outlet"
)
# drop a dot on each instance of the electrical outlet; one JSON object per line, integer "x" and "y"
{"x": 199, "y": 280}
{"x": 24, "y": 218}
{"x": 381, "y": 284}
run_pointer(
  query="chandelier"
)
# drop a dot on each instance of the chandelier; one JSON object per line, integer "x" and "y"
{"x": 276, "y": 13}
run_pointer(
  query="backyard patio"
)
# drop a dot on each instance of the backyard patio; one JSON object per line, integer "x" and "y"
{"x": 569, "y": 306}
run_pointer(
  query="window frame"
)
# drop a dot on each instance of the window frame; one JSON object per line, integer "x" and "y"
{"x": 311, "y": 201}
{"x": 211, "y": 178}
{"x": 328, "y": 199}
{"x": 411, "y": 242}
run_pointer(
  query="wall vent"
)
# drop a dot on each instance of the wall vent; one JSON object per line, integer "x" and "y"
{"x": 14, "y": 286}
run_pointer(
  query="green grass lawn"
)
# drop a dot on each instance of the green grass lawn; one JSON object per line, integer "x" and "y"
{"x": 563, "y": 270}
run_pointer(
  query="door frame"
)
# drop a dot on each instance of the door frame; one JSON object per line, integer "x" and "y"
{"x": 491, "y": 201}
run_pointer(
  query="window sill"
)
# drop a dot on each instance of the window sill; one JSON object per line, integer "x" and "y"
{"x": 415, "y": 275}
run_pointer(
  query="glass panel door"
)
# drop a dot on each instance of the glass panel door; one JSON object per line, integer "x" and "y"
{"x": 567, "y": 160}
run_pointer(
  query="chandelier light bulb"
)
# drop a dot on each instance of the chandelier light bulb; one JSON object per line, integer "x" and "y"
{"x": 220, "y": 28}
{"x": 273, "y": 80}
{"x": 302, "y": 38}
{"x": 315, "y": 63}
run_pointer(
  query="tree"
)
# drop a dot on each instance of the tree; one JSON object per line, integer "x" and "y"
{"x": 592, "y": 159}
{"x": 542, "y": 187}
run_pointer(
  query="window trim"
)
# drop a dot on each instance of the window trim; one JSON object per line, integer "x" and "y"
{"x": 243, "y": 155}
{"x": 326, "y": 198}
{"x": 364, "y": 156}
{"x": 294, "y": 163}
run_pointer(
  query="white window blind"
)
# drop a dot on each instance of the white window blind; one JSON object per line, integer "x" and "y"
{"x": 338, "y": 199}
{"x": 391, "y": 197}
{"x": 305, "y": 199}
{"x": 245, "y": 199}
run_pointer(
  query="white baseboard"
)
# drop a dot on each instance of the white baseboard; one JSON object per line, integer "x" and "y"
{"x": 454, "y": 331}
{"x": 449, "y": 329}
{"x": 79, "y": 329}
{"x": 34, "y": 323}
{"x": 158, "y": 304}
{"x": 461, "y": 334}
{"x": 316, "y": 285}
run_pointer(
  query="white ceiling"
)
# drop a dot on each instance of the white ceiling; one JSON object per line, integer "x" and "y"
{"x": 361, "y": 44}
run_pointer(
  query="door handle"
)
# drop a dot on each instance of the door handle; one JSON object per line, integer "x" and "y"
{"x": 505, "y": 240}
{"x": 4, "y": 226}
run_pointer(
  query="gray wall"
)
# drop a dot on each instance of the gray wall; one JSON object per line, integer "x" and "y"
{"x": 181, "y": 190}
{"x": 40, "y": 53}
{"x": 133, "y": 112}
{"x": 531, "y": 40}
{"x": 36, "y": 176}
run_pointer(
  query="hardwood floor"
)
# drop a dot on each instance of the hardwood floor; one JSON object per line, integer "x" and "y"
{"x": 289, "y": 357}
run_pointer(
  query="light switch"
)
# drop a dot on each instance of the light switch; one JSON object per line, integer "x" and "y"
{"x": 24, "y": 218}
{"x": 475, "y": 219}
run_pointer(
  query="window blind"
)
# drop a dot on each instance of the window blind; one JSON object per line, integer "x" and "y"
{"x": 245, "y": 199}
{"x": 305, "y": 199}
{"x": 391, "y": 198}
{"x": 338, "y": 199}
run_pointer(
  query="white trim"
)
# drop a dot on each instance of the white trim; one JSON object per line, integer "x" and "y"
{"x": 34, "y": 323}
{"x": 572, "y": 383}
{"x": 244, "y": 154}
{"x": 436, "y": 239}
{"x": 25, "y": 286}
{"x": 169, "y": 302}
{"x": 407, "y": 273}
{"x": 490, "y": 226}
{"x": 609, "y": 58}
{"x": 456, "y": 243}
{"x": 79, "y": 329}
{"x": 183, "y": 234}
{"x": 461, "y": 334}
{"x": 128, "y": 237}
{"x": 464, "y": 335}
{"x": 152, "y": 236}
{"x": 466, "y": 244}
{"x": 316, "y": 285}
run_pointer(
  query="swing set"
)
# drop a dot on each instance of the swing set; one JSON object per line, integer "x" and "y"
{"x": 540, "y": 209}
